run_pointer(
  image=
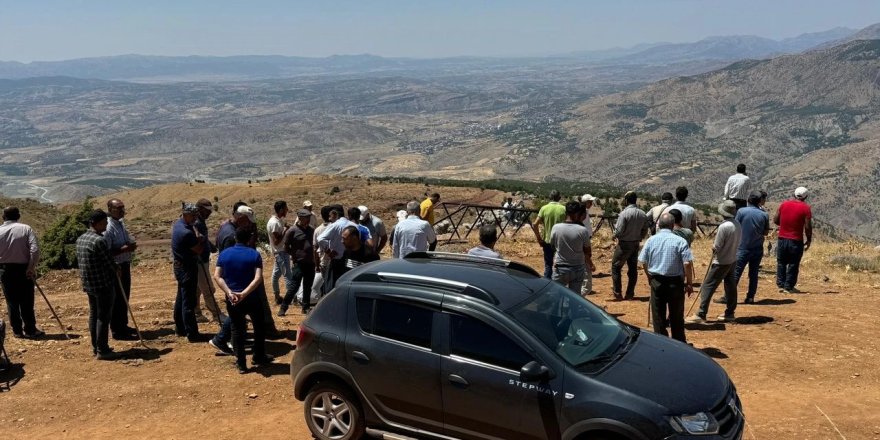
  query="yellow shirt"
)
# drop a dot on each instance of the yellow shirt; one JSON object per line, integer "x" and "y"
{"x": 427, "y": 211}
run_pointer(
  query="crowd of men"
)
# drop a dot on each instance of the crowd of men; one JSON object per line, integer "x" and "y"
{"x": 311, "y": 252}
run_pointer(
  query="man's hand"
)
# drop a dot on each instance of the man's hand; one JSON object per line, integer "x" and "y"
{"x": 689, "y": 289}
{"x": 592, "y": 266}
{"x": 31, "y": 274}
{"x": 807, "y": 245}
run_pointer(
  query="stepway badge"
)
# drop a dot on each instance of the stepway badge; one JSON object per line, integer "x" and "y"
{"x": 531, "y": 387}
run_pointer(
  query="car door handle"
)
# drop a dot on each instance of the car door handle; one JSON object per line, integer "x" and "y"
{"x": 458, "y": 380}
{"x": 360, "y": 357}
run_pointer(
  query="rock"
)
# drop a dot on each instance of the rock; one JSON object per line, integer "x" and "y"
{"x": 252, "y": 396}
{"x": 825, "y": 278}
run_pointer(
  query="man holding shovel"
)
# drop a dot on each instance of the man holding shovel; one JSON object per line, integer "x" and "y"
{"x": 19, "y": 255}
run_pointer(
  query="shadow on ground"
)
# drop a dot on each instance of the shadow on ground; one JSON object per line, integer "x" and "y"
{"x": 711, "y": 326}
{"x": 58, "y": 337}
{"x": 752, "y": 320}
{"x": 151, "y": 335}
{"x": 147, "y": 354}
{"x": 10, "y": 376}
{"x": 714, "y": 353}
{"x": 775, "y": 302}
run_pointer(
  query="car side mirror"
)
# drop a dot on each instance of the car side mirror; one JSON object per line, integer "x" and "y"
{"x": 535, "y": 372}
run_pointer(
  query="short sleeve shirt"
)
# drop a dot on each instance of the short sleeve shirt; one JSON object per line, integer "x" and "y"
{"x": 755, "y": 224}
{"x": 551, "y": 213}
{"x": 793, "y": 216}
{"x": 239, "y": 264}
{"x": 376, "y": 227}
{"x": 299, "y": 243}
{"x": 569, "y": 240}
{"x": 276, "y": 226}
{"x": 427, "y": 211}
{"x": 117, "y": 236}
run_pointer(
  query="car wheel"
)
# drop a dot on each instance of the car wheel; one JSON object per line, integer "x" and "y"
{"x": 332, "y": 413}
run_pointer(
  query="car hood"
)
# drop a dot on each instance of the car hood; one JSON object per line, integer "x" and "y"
{"x": 669, "y": 373}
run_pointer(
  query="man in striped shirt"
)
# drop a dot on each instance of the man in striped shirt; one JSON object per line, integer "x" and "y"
{"x": 738, "y": 187}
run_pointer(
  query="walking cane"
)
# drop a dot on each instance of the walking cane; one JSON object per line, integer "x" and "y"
{"x": 130, "y": 312}
{"x": 701, "y": 284}
{"x": 51, "y": 309}
{"x": 211, "y": 289}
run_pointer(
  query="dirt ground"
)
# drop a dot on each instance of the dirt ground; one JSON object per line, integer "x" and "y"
{"x": 805, "y": 365}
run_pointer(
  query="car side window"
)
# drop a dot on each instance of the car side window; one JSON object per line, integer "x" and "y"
{"x": 394, "y": 320}
{"x": 474, "y": 339}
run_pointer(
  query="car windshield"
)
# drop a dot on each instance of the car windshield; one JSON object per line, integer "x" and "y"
{"x": 577, "y": 330}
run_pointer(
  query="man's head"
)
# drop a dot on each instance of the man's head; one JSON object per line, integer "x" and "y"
{"x": 205, "y": 208}
{"x": 351, "y": 238}
{"x": 412, "y": 208}
{"x": 574, "y": 211}
{"x": 755, "y": 198}
{"x": 666, "y": 222}
{"x": 676, "y": 215}
{"x": 741, "y": 168}
{"x": 98, "y": 221}
{"x": 336, "y": 212}
{"x": 237, "y": 205}
{"x": 308, "y": 205}
{"x": 116, "y": 208}
{"x": 727, "y": 209}
{"x": 280, "y": 208}
{"x": 243, "y": 235}
{"x": 244, "y": 216}
{"x": 325, "y": 213}
{"x": 435, "y": 197}
{"x": 763, "y": 197}
{"x": 11, "y": 213}
{"x": 801, "y": 193}
{"x": 630, "y": 197}
{"x": 587, "y": 200}
{"x": 303, "y": 217}
{"x": 354, "y": 214}
{"x": 488, "y": 235}
{"x": 555, "y": 196}
{"x": 667, "y": 198}
{"x": 189, "y": 213}
{"x": 681, "y": 193}
{"x": 365, "y": 213}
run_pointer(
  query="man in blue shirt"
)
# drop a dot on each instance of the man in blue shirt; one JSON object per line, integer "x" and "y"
{"x": 755, "y": 225}
{"x": 668, "y": 264}
{"x": 186, "y": 246}
{"x": 239, "y": 274}
{"x": 121, "y": 247}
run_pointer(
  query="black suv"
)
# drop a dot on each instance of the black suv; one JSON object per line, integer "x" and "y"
{"x": 450, "y": 346}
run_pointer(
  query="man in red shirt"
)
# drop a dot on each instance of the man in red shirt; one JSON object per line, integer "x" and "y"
{"x": 795, "y": 222}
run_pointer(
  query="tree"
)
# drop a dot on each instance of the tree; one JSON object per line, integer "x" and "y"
{"x": 58, "y": 247}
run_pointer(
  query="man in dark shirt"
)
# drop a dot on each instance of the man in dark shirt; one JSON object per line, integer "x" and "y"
{"x": 186, "y": 246}
{"x": 239, "y": 274}
{"x": 356, "y": 253}
{"x": 98, "y": 272}
{"x": 298, "y": 243}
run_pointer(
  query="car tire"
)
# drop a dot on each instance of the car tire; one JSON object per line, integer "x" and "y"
{"x": 333, "y": 413}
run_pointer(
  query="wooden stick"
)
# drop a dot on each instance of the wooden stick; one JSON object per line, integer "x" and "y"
{"x": 830, "y": 421}
{"x": 51, "y": 309}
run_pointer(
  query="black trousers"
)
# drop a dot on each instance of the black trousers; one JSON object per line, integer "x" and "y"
{"x": 249, "y": 307}
{"x": 119, "y": 320}
{"x": 100, "y": 311}
{"x": 302, "y": 273}
{"x": 185, "y": 304}
{"x": 336, "y": 270}
{"x": 19, "y": 292}
{"x": 626, "y": 252}
{"x": 740, "y": 203}
{"x": 667, "y": 296}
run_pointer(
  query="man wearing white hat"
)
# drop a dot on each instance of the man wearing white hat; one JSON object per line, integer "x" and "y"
{"x": 795, "y": 220}
{"x": 376, "y": 227}
{"x": 313, "y": 221}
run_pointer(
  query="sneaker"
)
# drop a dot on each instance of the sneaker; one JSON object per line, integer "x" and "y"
{"x": 222, "y": 349}
{"x": 749, "y": 301}
{"x": 792, "y": 290}
{"x": 282, "y": 311}
{"x": 36, "y": 334}
{"x": 720, "y": 300}
{"x": 107, "y": 355}
{"x": 125, "y": 337}
{"x": 202, "y": 319}
{"x": 263, "y": 360}
{"x": 726, "y": 318}
{"x": 696, "y": 319}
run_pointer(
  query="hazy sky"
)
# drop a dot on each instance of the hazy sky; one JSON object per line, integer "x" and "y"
{"x": 63, "y": 29}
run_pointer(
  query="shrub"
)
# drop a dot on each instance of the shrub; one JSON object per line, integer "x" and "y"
{"x": 58, "y": 247}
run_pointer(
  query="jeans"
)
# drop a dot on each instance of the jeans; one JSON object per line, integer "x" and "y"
{"x": 301, "y": 273}
{"x": 667, "y": 296}
{"x": 549, "y": 253}
{"x": 718, "y": 274}
{"x": 752, "y": 258}
{"x": 587, "y": 287}
{"x": 788, "y": 262}
{"x": 279, "y": 269}
{"x": 119, "y": 318}
{"x": 251, "y": 307}
{"x": 570, "y": 276}
{"x": 100, "y": 312}
{"x": 19, "y": 292}
{"x": 626, "y": 252}
{"x": 184, "y": 305}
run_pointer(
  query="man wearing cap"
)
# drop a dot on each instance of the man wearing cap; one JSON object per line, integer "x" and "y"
{"x": 206, "y": 285}
{"x": 631, "y": 227}
{"x": 755, "y": 226}
{"x": 98, "y": 271}
{"x": 412, "y": 234}
{"x": 587, "y": 201}
{"x": 723, "y": 267}
{"x": 795, "y": 220}
{"x": 549, "y": 215}
{"x": 186, "y": 246}
{"x": 19, "y": 255}
{"x": 276, "y": 229}
{"x": 376, "y": 227}
{"x": 121, "y": 247}
{"x": 298, "y": 242}
{"x": 313, "y": 220}
{"x": 654, "y": 213}
{"x": 738, "y": 187}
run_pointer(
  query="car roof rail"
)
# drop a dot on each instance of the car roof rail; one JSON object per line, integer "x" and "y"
{"x": 420, "y": 280}
{"x": 498, "y": 262}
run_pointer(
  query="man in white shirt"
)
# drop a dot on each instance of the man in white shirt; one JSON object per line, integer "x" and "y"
{"x": 738, "y": 187}
{"x": 276, "y": 229}
{"x": 19, "y": 255}
{"x": 688, "y": 213}
{"x": 587, "y": 200}
{"x": 412, "y": 234}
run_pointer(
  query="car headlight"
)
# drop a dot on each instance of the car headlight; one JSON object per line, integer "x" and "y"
{"x": 700, "y": 423}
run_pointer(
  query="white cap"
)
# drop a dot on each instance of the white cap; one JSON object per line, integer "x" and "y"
{"x": 364, "y": 212}
{"x": 587, "y": 198}
{"x": 307, "y": 203}
{"x": 247, "y": 212}
{"x": 801, "y": 192}
{"x": 401, "y": 215}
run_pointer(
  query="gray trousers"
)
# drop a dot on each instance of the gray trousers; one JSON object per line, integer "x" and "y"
{"x": 625, "y": 253}
{"x": 718, "y": 274}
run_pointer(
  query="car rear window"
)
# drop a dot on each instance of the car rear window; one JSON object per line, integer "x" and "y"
{"x": 400, "y": 322}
